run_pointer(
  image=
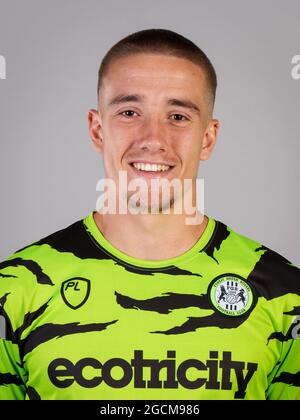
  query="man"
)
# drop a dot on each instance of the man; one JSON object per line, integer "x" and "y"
{"x": 143, "y": 305}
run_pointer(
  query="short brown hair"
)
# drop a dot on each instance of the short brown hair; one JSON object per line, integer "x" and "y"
{"x": 160, "y": 41}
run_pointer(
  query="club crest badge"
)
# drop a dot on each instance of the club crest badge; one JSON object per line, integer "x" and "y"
{"x": 231, "y": 295}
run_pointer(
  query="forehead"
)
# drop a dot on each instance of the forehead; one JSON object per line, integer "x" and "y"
{"x": 156, "y": 72}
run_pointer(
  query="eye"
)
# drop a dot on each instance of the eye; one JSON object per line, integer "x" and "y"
{"x": 179, "y": 117}
{"x": 128, "y": 113}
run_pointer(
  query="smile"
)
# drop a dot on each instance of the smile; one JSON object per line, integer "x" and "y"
{"x": 150, "y": 167}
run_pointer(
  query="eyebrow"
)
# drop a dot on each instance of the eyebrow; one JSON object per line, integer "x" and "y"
{"x": 184, "y": 103}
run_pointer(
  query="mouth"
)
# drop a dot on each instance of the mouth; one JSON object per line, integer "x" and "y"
{"x": 151, "y": 169}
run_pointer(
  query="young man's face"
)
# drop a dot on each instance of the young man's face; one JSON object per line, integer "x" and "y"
{"x": 153, "y": 109}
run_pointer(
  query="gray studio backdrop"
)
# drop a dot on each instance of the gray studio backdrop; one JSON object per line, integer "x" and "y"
{"x": 52, "y": 50}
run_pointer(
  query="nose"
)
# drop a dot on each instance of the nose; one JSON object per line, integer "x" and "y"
{"x": 153, "y": 136}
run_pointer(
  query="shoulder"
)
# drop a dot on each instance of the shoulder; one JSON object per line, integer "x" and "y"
{"x": 74, "y": 239}
{"x": 38, "y": 263}
{"x": 28, "y": 276}
{"x": 272, "y": 273}
{"x": 28, "y": 257}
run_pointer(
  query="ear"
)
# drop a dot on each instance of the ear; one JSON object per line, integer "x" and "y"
{"x": 95, "y": 129}
{"x": 210, "y": 139}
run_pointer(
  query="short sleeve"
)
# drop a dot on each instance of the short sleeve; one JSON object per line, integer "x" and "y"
{"x": 12, "y": 373}
{"x": 285, "y": 384}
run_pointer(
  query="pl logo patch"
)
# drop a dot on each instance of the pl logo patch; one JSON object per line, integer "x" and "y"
{"x": 231, "y": 295}
{"x": 75, "y": 291}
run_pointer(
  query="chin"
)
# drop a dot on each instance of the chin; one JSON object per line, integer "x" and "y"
{"x": 151, "y": 206}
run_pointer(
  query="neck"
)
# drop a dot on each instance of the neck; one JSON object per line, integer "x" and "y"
{"x": 150, "y": 236}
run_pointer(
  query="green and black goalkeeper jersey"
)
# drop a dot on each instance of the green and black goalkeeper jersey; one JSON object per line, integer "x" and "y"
{"x": 79, "y": 319}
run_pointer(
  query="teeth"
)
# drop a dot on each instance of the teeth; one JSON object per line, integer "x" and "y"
{"x": 151, "y": 167}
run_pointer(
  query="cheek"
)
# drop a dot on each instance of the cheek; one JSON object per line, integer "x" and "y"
{"x": 114, "y": 149}
{"x": 117, "y": 136}
{"x": 189, "y": 148}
